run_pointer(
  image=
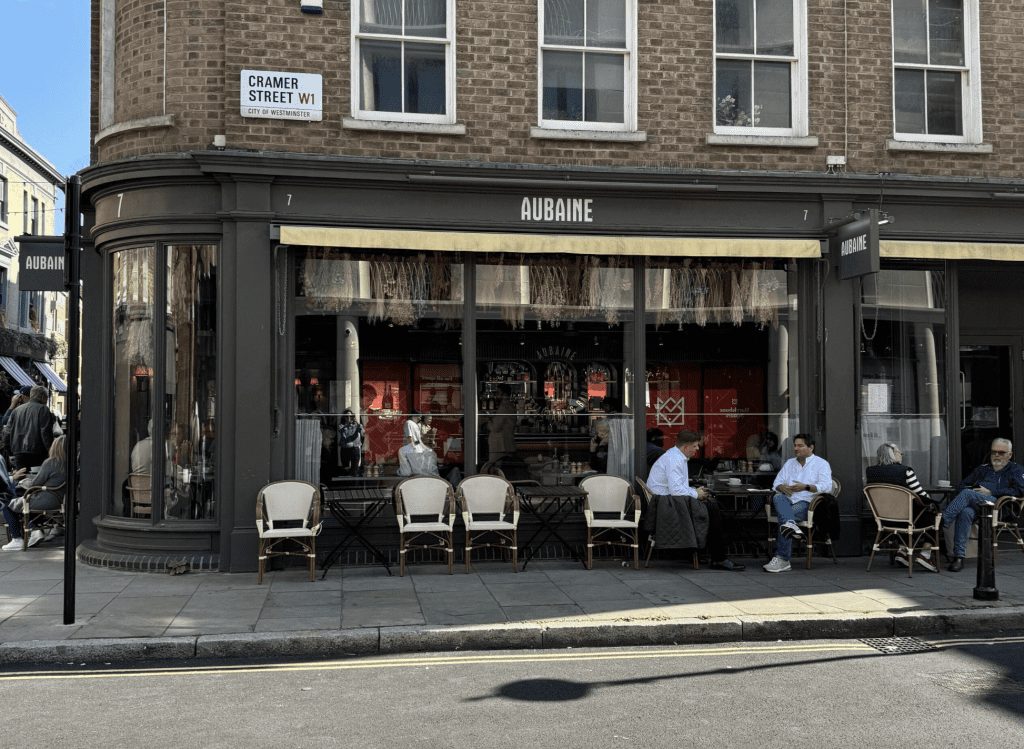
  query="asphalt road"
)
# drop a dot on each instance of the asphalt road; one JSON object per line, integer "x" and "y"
{"x": 828, "y": 693}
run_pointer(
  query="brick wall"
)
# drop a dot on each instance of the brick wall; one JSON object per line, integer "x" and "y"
{"x": 849, "y": 81}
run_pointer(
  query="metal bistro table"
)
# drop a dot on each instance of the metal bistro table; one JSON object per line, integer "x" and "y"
{"x": 551, "y": 505}
{"x": 742, "y": 505}
{"x": 371, "y": 496}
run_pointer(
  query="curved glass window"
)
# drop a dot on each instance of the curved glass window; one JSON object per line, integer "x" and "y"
{"x": 164, "y": 383}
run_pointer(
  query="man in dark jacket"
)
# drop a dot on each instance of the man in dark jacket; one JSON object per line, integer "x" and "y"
{"x": 29, "y": 431}
{"x": 998, "y": 478}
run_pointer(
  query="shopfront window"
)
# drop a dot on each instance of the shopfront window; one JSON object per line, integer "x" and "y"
{"x": 554, "y": 356}
{"x": 722, "y": 360}
{"x": 174, "y": 408}
{"x": 903, "y": 365}
{"x": 190, "y": 393}
{"x": 134, "y": 385}
{"x": 378, "y": 365}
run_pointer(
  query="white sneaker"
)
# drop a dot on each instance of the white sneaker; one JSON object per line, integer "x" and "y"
{"x": 791, "y": 530}
{"x": 35, "y": 537}
{"x": 778, "y": 565}
{"x": 14, "y": 545}
{"x": 53, "y": 533}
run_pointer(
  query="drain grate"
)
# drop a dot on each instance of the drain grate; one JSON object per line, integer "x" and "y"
{"x": 978, "y": 682}
{"x": 897, "y": 645}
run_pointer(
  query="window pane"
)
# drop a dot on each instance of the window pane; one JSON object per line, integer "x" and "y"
{"x": 191, "y": 382}
{"x": 605, "y": 75}
{"x": 909, "y": 97}
{"x": 946, "y": 29}
{"x": 909, "y": 23}
{"x": 775, "y": 27}
{"x": 771, "y": 94}
{"x": 563, "y": 22}
{"x": 734, "y": 25}
{"x": 563, "y": 86}
{"x": 381, "y": 76}
{"x": 606, "y": 23}
{"x": 134, "y": 383}
{"x": 381, "y": 17}
{"x": 944, "y": 107}
{"x": 903, "y": 369}
{"x": 733, "y": 93}
{"x": 425, "y": 18}
{"x": 424, "y": 79}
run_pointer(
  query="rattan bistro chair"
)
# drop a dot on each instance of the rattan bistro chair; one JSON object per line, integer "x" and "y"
{"x": 287, "y": 511}
{"x": 490, "y": 507}
{"x": 611, "y": 495}
{"x": 806, "y": 525}
{"x": 649, "y": 500}
{"x": 140, "y": 494}
{"x": 422, "y": 504}
{"x": 1005, "y": 516}
{"x": 899, "y": 513}
{"x": 40, "y": 519}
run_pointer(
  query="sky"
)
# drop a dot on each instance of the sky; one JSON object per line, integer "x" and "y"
{"x": 44, "y": 76}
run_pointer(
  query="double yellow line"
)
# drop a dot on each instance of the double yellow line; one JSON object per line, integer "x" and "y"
{"x": 418, "y": 661}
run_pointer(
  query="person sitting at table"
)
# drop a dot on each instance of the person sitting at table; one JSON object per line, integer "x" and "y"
{"x": 412, "y": 434}
{"x": 800, "y": 479}
{"x": 599, "y": 446}
{"x": 1000, "y": 477}
{"x": 670, "y": 479}
{"x": 763, "y": 448}
{"x": 52, "y": 473}
{"x": 890, "y": 470}
{"x": 655, "y": 439}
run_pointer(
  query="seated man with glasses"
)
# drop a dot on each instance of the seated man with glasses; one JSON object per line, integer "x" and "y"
{"x": 1000, "y": 477}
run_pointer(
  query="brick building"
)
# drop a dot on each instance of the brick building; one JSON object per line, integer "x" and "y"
{"x": 398, "y": 208}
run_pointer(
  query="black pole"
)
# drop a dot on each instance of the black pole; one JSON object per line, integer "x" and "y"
{"x": 73, "y": 274}
{"x": 986, "y": 587}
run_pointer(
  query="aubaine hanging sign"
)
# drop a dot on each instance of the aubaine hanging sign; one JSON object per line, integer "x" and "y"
{"x": 42, "y": 263}
{"x": 856, "y": 247}
{"x": 282, "y": 96}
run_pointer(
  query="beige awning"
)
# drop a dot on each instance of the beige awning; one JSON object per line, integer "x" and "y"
{"x": 950, "y": 250}
{"x": 382, "y": 239}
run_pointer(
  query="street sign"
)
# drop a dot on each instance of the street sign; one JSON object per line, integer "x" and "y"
{"x": 42, "y": 263}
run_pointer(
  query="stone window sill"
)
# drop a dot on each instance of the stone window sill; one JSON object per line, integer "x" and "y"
{"x": 774, "y": 141}
{"x": 393, "y": 126}
{"x": 147, "y": 123}
{"x": 921, "y": 145}
{"x": 548, "y": 133}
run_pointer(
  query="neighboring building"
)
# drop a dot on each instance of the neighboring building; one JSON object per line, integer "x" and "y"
{"x": 32, "y": 337}
{"x": 611, "y": 209}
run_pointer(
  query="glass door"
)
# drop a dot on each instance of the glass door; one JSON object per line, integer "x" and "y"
{"x": 986, "y": 396}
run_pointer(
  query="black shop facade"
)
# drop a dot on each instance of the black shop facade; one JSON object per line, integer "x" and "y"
{"x": 299, "y": 293}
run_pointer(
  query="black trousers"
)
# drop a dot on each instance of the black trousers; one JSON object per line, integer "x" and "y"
{"x": 716, "y": 538}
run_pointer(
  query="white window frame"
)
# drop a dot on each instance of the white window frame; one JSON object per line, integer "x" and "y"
{"x": 970, "y": 83}
{"x": 449, "y": 61}
{"x": 797, "y": 80}
{"x": 629, "y": 89}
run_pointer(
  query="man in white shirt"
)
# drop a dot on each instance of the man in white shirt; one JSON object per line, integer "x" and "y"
{"x": 670, "y": 477}
{"x": 799, "y": 480}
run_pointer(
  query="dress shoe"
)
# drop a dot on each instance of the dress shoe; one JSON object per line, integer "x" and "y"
{"x": 957, "y": 564}
{"x": 727, "y": 564}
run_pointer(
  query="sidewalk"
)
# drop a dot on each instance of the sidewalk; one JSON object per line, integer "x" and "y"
{"x": 128, "y": 615}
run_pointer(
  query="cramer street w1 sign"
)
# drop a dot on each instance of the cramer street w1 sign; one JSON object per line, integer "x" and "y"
{"x": 855, "y": 245}
{"x": 42, "y": 263}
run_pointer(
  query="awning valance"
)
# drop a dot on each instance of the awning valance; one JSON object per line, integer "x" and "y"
{"x": 15, "y": 371}
{"x": 440, "y": 241}
{"x": 51, "y": 376}
{"x": 950, "y": 250}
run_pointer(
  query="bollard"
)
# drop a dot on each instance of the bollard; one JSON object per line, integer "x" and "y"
{"x": 985, "y": 590}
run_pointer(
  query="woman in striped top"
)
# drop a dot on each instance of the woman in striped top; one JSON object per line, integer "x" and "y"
{"x": 890, "y": 470}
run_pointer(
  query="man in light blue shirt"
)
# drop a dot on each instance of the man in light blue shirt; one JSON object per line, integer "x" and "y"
{"x": 670, "y": 477}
